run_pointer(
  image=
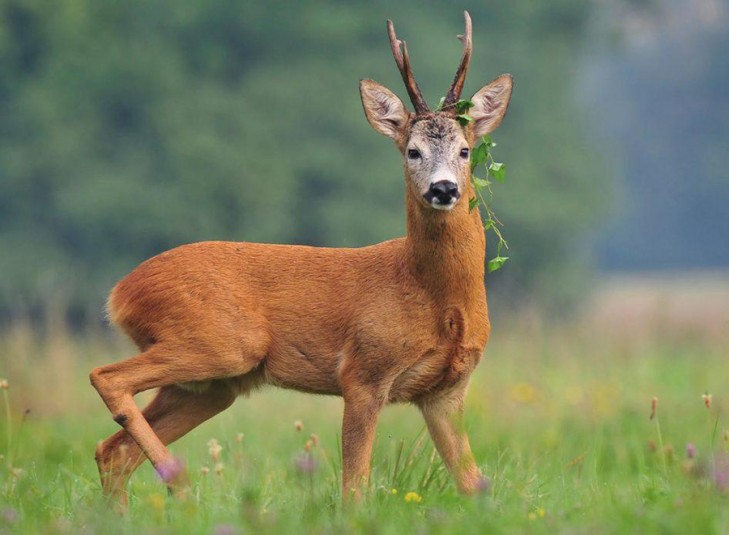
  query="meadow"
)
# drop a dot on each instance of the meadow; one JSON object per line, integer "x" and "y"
{"x": 559, "y": 419}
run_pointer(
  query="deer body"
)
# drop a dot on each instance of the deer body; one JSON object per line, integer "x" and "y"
{"x": 401, "y": 321}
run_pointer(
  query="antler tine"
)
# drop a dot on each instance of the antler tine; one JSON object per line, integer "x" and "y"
{"x": 454, "y": 93}
{"x": 402, "y": 59}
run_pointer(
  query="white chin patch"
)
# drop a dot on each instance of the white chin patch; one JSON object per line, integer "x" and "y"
{"x": 438, "y": 206}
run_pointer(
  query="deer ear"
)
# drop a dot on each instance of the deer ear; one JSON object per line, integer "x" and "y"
{"x": 385, "y": 112}
{"x": 490, "y": 104}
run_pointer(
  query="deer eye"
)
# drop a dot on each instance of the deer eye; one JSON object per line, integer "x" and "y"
{"x": 413, "y": 154}
{"x": 464, "y": 153}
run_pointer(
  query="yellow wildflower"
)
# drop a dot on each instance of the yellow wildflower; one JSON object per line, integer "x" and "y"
{"x": 157, "y": 501}
{"x": 524, "y": 393}
{"x": 413, "y": 497}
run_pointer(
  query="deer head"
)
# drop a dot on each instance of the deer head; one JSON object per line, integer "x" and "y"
{"x": 435, "y": 147}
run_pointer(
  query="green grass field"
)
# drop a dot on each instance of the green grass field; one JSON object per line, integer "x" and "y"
{"x": 559, "y": 421}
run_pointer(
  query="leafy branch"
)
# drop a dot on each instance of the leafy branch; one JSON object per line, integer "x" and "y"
{"x": 482, "y": 159}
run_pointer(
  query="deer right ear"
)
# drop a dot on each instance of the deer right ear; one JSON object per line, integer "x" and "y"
{"x": 385, "y": 112}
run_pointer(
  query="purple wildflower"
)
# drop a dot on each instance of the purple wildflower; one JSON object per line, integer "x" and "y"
{"x": 169, "y": 470}
{"x": 721, "y": 474}
{"x": 225, "y": 529}
{"x": 483, "y": 484}
{"x": 9, "y": 515}
{"x": 305, "y": 463}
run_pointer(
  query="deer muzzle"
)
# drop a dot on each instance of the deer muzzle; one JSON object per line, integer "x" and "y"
{"x": 442, "y": 195}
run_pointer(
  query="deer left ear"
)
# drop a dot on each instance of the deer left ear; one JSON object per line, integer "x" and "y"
{"x": 490, "y": 104}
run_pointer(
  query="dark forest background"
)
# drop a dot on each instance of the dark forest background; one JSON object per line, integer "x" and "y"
{"x": 130, "y": 127}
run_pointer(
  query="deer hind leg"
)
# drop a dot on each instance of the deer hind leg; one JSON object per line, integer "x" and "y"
{"x": 171, "y": 414}
{"x": 160, "y": 366}
{"x": 444, "y": 418}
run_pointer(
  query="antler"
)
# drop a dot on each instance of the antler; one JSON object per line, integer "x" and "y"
{"x": 400, "y": 52}
{"x": 454, "y": 93}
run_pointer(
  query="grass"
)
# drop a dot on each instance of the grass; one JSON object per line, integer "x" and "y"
{"x": 558, "y": 419}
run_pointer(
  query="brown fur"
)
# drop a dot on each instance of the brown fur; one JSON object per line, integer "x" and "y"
{"x": 401, "y": 321}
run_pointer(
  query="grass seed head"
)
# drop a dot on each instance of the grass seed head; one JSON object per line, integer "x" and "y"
{"x": 214, "y": 448}
{"x": 298, "y": 425}
{"x": 3, "y": 384}
{"x": 654, "y": 407}
{"x": 707, "y": 400}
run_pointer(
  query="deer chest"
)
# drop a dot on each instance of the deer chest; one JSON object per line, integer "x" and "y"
{"x": 443, "y": 359}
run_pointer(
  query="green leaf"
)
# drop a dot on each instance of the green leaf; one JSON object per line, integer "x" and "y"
{"x": 472, "y": 203}
{"x": 462, "y": 106}
{"x": 498, "y": 171}
{"x": 479, "y": 155}
{"x": 486, "y": 140}
{"x": 480, "y": 182}
{"x": 488, "y": 224}
{"x": 464, "y": 119}
{"x": 440, "y": 104}
{"x": 496, "y": 263}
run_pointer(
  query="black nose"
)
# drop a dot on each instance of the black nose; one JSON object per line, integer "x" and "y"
{"x": 443, "y": 191}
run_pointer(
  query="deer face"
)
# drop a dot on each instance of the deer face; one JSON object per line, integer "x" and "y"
{"x": 435, "y": 147}
{"x": 437, "y": 156}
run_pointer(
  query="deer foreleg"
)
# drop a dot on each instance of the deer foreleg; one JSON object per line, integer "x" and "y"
{"x": 444, "y": 418}
{"x": 361, "y": 410}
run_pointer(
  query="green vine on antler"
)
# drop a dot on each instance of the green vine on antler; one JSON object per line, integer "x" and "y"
{"x": 481, "y": 157}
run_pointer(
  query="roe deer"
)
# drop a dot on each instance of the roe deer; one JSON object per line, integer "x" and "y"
{"x": 401, "y": 321}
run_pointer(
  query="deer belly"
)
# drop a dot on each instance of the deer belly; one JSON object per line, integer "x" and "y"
{"x": 292, "y": 368}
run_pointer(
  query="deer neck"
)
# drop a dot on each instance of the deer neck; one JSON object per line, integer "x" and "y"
{"x": 446, "y": 250}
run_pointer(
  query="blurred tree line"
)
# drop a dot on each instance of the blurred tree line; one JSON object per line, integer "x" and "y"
{"x": 130, "y": 127}
{"x": 657, "y": 78}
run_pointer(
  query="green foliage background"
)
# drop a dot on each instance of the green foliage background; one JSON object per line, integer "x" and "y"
{"x": 131, "y": 127}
